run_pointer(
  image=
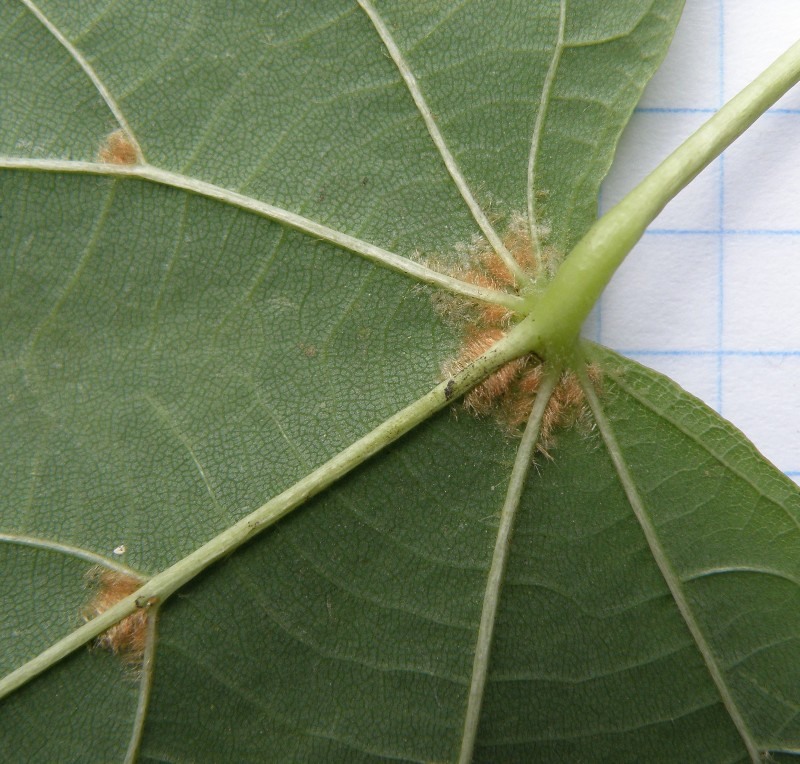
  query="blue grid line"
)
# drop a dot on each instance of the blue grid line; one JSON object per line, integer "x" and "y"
{"x": 598, "y": 311}
{"x": 713, "y": 361}
{"x": 703, "y": 110}
{"x": 723, "y": 232}
{"x": 713, "y": 353}
{"x": 672, "y": 110}
{"x": 721, "y": 218}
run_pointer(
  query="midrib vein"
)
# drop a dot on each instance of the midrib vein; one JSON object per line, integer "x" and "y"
{"x": 494, "y": 582}
{"x": 670, "y": 576}
{"x": 441, "y": 145}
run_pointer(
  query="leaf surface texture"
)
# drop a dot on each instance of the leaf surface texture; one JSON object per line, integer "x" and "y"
{"x": 171, "y": 361}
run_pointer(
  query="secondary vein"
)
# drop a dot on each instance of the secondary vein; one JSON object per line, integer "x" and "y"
{"x": 73, "y": 551}
{"x": 441, "y": 145}
{"x": 89, "y": 71}
{"x": 298, "y": 222}
{"x": 145, "y": 685}
{"x": 671, "y": 578}
{"x": 491, "y": 596}
{"x": 536, "y": 138}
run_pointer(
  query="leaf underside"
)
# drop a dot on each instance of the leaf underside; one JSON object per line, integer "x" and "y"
{"x": 169, "y": 362}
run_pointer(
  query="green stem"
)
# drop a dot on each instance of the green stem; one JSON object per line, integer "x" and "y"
{"x": 577, "y": 286}
{"x": 162, "y": 585}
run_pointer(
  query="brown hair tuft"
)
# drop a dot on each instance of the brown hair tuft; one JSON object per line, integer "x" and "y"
{"x": 118, "y": 149}
{"x": 128, "y": 637}
{"x": 509, "y": 393}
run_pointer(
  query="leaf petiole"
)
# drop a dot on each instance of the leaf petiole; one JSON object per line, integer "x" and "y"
{"x": 585, "y": 272}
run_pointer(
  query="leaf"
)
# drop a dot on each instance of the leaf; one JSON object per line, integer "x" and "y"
{"x": 175, "y": 354}
{"x": 627, "y": 665}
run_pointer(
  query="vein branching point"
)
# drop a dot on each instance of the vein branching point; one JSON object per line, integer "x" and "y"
{"x": 509, "y": 394}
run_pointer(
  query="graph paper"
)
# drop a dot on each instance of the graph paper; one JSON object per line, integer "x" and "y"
{"x": 711, "y": 295}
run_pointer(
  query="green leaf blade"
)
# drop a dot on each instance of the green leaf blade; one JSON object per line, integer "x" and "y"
{"x": 53, "y": 109}
{"x": 172, "y": 361}
{"x": 148, "y": 356}
{"x": 592, "y": 659}
{"x": 97, "y": 695}
{"x": 368, "y": 605}
{"x": 736, "y": 551}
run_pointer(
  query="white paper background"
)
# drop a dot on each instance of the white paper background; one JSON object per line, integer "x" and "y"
{"x": 711, "y": 295}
